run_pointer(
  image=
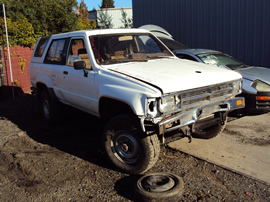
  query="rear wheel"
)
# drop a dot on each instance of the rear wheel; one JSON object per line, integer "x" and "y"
{"x": 128, "y": 148}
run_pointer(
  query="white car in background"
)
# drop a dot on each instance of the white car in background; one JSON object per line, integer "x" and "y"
{"x": 256, "y": 80}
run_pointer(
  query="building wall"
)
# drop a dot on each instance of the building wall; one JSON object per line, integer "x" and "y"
{"x": 20, "y": 58}
{"x": 116, "y": 14}
{"x": 240, "y": 28}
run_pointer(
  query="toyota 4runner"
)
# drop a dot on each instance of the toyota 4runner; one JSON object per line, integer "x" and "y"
{"x": 132, "y": 81}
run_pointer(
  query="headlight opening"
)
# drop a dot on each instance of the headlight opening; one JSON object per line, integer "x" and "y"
{"x": 168, "y": 104}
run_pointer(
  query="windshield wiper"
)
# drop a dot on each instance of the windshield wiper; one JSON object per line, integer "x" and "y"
{"x": 242, "y": 66}
{"x": 157, "y": 57}
{"x": 115, "y": 61}
{"x": 234, "y": 67}
{"x": 138, "y": 60}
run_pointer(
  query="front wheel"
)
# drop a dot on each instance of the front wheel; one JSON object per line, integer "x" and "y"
{"x": 50, "y": 109}
{"x": 211, "y": 131}
{"x": 128, "y": 148}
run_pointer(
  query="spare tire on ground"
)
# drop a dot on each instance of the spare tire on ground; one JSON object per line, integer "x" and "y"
{"x": 159, "y": 187}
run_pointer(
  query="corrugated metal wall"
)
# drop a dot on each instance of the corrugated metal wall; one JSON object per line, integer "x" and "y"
{"x": 115, "y": 13}
{"x": 240, "y": 28}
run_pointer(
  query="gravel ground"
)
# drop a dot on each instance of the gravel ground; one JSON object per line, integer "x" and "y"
{"x": 64, "y": 162}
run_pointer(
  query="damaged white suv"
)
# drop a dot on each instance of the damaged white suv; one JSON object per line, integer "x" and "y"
{"x": 132, "y": 81}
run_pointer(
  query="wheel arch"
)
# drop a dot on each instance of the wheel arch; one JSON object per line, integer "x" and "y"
{"x": 109, "y": 107}
{"x": 41, "y": 87}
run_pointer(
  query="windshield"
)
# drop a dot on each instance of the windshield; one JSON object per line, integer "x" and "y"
{"x": 220, "y": 59}
{"x": 119, "y": 48}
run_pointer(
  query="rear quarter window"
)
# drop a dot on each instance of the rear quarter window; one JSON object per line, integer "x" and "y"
{"x": 41, "y": 46}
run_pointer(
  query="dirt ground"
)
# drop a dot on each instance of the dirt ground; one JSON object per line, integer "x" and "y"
{"x": 65, "y": 162}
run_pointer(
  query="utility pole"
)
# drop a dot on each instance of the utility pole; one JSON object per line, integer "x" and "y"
{"x": 9, "y": 61}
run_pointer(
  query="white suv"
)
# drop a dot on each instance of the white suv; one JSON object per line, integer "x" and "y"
{"x": 131, "y": 80}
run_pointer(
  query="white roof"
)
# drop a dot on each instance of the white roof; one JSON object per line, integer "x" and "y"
{"x": 100, "y": 31}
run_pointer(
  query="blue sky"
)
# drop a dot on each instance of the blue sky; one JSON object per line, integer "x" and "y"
{"x": 96, "y": 3}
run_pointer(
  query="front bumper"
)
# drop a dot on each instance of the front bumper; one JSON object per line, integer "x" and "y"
{"x": 190, "y": 117}
{"x": 256, "y": 103}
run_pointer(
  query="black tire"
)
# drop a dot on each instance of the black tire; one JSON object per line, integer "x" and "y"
{"x": 159, "y": 187}
{"x": 210, "y": 132}
{"x": 128, "y": 148}
{"x": 50, "y": 109}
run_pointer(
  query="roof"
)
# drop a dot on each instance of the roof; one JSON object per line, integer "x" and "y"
{"x": 195, "y": 51}
{"x": 101, "y": 31}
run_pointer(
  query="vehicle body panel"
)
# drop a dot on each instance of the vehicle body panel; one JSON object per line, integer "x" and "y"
{"x": 141, "y": 84}
{"x": 165, "y": 74}
{"x": 252, "y": 73}
{"x": 249, "y": 73}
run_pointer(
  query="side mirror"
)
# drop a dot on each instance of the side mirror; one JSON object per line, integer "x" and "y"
{"x": 81, "y": 65}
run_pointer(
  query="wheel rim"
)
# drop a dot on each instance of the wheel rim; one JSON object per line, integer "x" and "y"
{"x": 125, "y": 147}
{"x": 158, "y": 183}
{"x": 159, "y": 187}
{"x": 46, "y": 109}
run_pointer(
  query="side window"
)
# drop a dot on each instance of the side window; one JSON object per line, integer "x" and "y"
{"x": 56, "y": 53}
{"x": 78, "y": 52}
{"x": 41, "y": 46}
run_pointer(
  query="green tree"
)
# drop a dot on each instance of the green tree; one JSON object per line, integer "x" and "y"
{"x": 46, "y": 16}
{"x": 83, "y": 11}
{"x": 86, "y": 26}
{"x": 107, "y": 4}
{"x": 104, "y": 19}
{"x": 128, "y": 22}
{"x": 83, "y": 21}
{"x": 20, "y": 32}
{"x": 30, "y": 19}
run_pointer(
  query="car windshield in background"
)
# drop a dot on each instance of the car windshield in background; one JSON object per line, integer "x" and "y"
{"x": 222, "y": 60}
{"x": 119, "y": 48}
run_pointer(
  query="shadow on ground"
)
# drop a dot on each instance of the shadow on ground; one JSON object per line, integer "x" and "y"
{"x": 7, "y": 92}
{"x": 77, "y": 133}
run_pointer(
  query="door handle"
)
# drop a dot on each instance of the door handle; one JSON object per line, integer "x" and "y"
{"x": 65, "y": 72}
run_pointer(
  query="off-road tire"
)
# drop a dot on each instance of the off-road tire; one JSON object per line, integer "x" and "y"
{"x": 159, "y": 187}
{"x": 128, "y": 148}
